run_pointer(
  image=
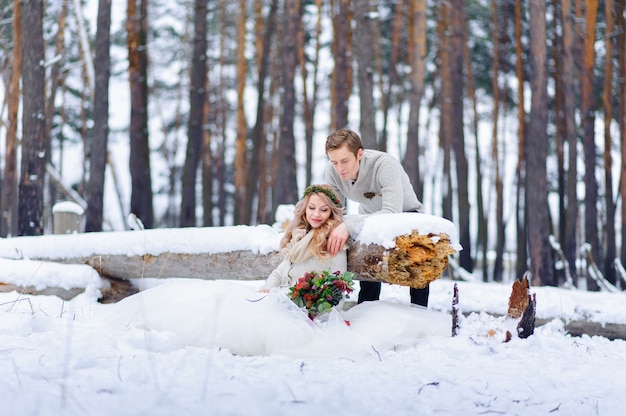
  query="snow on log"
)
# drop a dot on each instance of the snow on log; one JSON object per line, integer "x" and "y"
{"x": 407, "y": 249}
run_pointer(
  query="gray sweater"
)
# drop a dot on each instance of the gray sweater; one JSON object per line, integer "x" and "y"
{"x": 382, "y": 185}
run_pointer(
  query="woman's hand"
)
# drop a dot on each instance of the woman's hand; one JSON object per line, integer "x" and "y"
{"x": 264, "y": 291}
{"x": 337, "y": 239}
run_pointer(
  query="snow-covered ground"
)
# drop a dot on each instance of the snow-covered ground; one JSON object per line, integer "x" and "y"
{"x": 62, "y": 358}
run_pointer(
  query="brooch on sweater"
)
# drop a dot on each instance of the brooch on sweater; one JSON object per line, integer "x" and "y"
{"x": 369, "y": 195}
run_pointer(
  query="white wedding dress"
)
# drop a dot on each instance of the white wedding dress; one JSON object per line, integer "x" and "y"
{"x": 236, "y": 317}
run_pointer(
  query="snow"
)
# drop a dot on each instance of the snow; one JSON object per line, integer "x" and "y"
{"x": 151, "y": 353}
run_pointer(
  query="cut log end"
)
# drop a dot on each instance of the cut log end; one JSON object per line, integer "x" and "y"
{"x": 418, "y": 259}
{"x": 415, "y": 261}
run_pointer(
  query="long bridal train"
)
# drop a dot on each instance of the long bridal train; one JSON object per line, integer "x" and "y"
{"x": 236, "y": 317}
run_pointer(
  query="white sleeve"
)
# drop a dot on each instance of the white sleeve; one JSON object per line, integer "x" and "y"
{"x": 279, "y": 276}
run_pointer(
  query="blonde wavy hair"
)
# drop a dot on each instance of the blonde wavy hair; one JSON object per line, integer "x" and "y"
{"x": 320, "y": 234}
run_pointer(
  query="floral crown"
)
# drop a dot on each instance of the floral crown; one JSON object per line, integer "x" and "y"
{"x": 328, "y": 192}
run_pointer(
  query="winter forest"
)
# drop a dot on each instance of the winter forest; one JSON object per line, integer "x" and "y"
{"x": 508, "y": 115}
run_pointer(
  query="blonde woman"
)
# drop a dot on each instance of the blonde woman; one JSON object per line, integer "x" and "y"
{"x": 304, "y": 245}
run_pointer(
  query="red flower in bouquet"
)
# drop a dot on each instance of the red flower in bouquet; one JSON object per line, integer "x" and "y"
{"x": 319, "y": 292}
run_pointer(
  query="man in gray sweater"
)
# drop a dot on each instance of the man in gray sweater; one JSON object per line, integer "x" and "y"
{"x": 377, "y": 181}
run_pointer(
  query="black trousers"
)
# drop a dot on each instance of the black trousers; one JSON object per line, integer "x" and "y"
{"x": 371, "y": 291}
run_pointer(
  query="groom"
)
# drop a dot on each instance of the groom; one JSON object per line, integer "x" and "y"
{"x": 375, "y": 180}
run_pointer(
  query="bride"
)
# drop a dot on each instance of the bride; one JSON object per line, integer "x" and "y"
{"x": 250, "y": 321}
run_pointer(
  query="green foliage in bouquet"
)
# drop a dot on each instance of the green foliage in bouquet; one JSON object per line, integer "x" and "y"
{"x": 319, "y": 292}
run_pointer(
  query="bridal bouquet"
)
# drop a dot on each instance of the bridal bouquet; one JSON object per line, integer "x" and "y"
{"x": 319, "y": 292}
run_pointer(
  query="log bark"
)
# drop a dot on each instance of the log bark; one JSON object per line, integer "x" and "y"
{"x": 235, "y": 265}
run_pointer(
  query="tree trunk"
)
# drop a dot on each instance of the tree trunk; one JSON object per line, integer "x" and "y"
{"x": 141, "y": 180}
{"x": 570, "y": 246}
{"x": 621, "y": 117}
{"x": 30, "y": 208}
{"x": 365, "y": 60}
{"x": 242, "y": 215}
{"x": 341, "y": 84}
{"x": 98, "y": 160}
{"x": 589, "y": 147}
{"x": 498, "y": 266}
{"x": 520, "y": 209}
{"x": 207, "y": 168}
{"x": 607, "y": 102}
{"x": 445, "y": 107}
{"x": 56, "y": 76}
{"x": 392, "y": 74}
{"x": 258, "y": 164}
{"x": 195, "y": 129}
{"x": 541, "y": 264}
{"x": 8, "y": 203}
{"x": 286, "y": 185}
{"x": 417, "y": 36}
{"x": 456, "y": 30}
{"x": 482, "y": 245}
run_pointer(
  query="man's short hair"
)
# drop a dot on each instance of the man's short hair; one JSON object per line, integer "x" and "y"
{"x": 344, "y": 137}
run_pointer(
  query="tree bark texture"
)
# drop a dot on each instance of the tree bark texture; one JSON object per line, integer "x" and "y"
{"x": 9, "y": 199}
{"x": 520, "y": 209}
{"x": 195, "y": 124}
{"x": 541, "y": 264}
{"x": 417, "y": 36}
{"x": 30, "y": 206}
{"x": 99, "y": 147}
{"x": 365, "y": 74}
{"x": 341, "y": 78}
{"x": 141, "y": 178}
{"x": 607, "y": 103}
{"x": 242, "y": 214}
{"x": 286, "y": 188}
{"x": 568, "y": 80}
{"x": 588, "y": 121}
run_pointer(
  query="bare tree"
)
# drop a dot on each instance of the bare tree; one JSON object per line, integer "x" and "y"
{"x": 588, "y": 120}
{"x": 417, "y": 36}
{"x": 392, "y": 76}
{"x": 520, "y": 171}
{"x": 568, "y": 80}
{"x": 621, "y": 117}
{"x": 286, "y": 184}
{"x": 482, "y": 237}
{"x": 498, "y": 264}
{"x": 541, "y": 264}
{"x": 141, "y": 176}
{"x": 456, "y": 29}
{"x": 8, "y": 204}
{"x": 341, "y": 87}
{"x": 445, "y": 106}
{"x": 30, "y": 206}
{"x": 242, "y": 214}
{"x": 607, "y": 103}
{"x": 365, "y": 59}
{"x": 98, "y": 160}
{"x": 195, "y": 125}
{"x": 258, "y": 163}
